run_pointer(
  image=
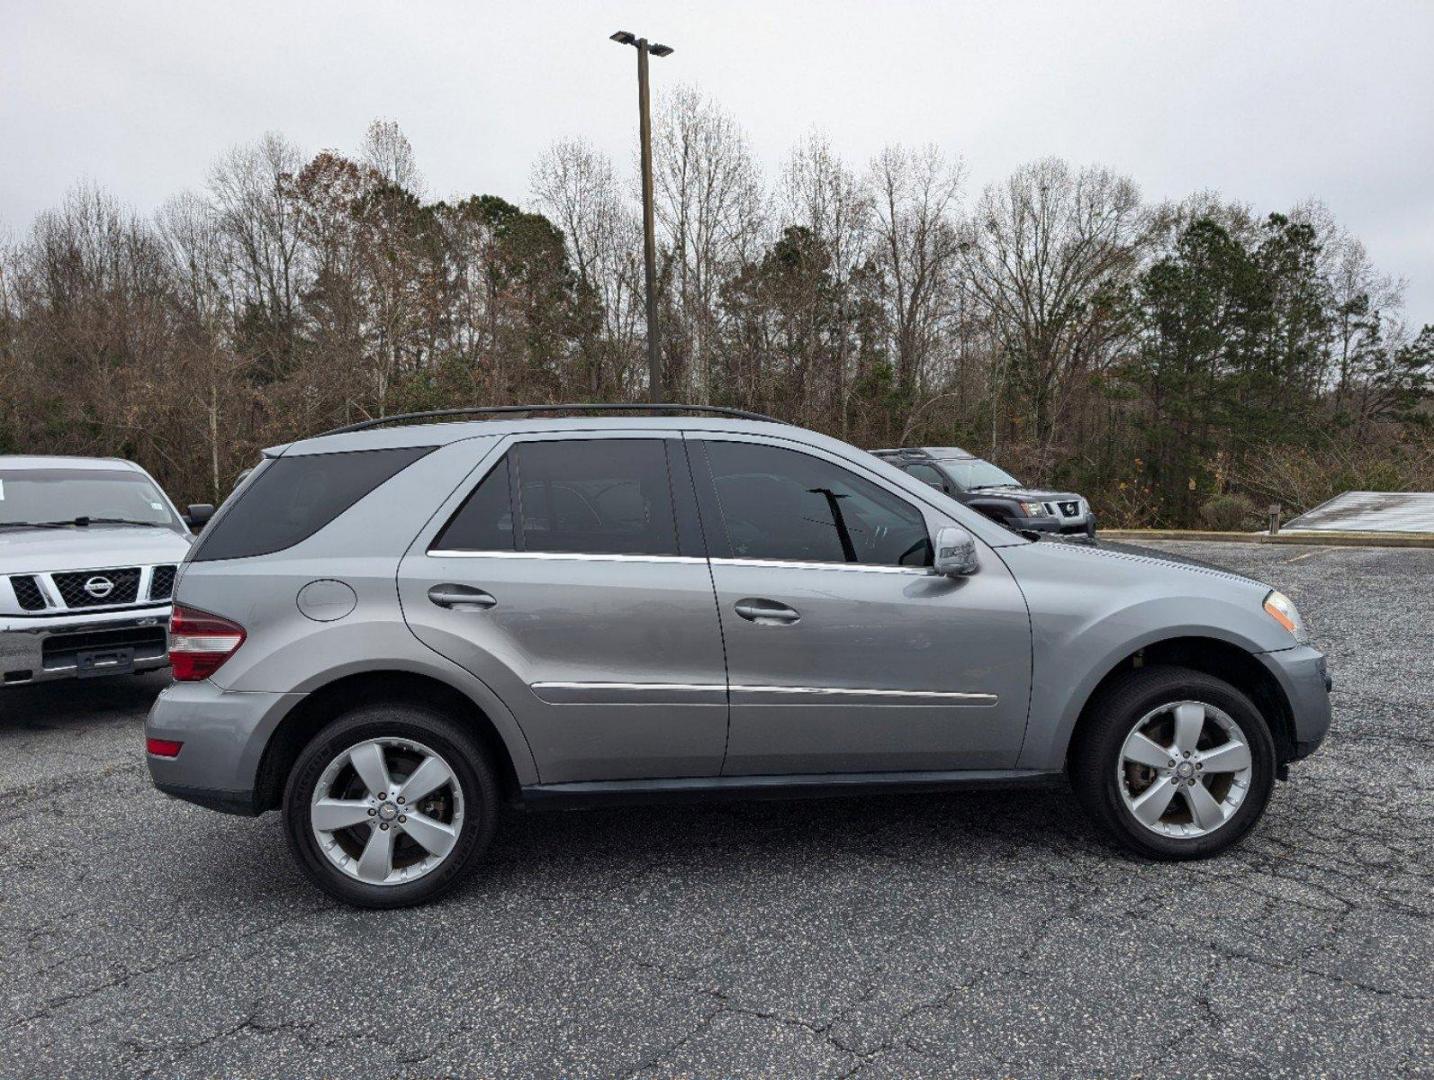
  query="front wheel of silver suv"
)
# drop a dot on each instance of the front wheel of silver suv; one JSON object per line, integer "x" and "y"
{"x": 390, "y": 805}
{"x": 1175, "y": 763}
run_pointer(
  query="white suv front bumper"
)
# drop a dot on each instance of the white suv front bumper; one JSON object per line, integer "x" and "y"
{"x": 47, "y": 647}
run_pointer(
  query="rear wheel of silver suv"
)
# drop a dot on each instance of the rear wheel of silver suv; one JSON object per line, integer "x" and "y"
{"x": 1175, "y": 763}
{"x": 390, "y": 805}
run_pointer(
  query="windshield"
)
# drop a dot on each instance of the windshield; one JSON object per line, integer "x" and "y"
{"x": 40, "y": 496}
{"x": 972, "y": 473}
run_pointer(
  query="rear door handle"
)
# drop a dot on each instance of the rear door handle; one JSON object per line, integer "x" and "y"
{"x": 461, "y": 597}
{"x": 766, "y": 612}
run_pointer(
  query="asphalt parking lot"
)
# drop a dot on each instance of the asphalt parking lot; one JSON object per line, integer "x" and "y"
{"x": 980, "y": 934}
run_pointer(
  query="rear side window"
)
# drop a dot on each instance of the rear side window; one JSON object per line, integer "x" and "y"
{"x": 485, "y": 520}
{"x": 294, "y": 497}
{"x": 589, "y": 496}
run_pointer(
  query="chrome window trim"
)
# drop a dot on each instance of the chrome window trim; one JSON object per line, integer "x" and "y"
{"x": 861, "y": 568}
{"x": 583, "y": 556}
{"x": 577, "y": 556}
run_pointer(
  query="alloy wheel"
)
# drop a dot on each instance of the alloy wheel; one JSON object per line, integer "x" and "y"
{"x": 387, "y": 811}
{"x": 1184, "y": 769}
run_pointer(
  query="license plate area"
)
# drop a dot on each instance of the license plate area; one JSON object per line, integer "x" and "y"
{"x": 91, "y": 662}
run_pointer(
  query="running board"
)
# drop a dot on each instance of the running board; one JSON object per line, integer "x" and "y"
{"x": 789, "y": 786}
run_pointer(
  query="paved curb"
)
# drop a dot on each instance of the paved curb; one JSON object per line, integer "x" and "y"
{"x": 1318, "y": 539}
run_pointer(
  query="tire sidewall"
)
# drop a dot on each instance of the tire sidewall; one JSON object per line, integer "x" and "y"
{"x": 470, "y": 766}
{"x": 1134, "y": 700}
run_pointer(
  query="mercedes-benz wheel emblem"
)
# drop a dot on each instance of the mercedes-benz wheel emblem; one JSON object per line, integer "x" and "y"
{"x": 99, "y": 587}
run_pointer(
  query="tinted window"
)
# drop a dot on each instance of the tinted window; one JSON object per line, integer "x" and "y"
{"x": 781, "y": 504}
{"x": 292, "y": 498}
{"x": 485, "y": 520}
{"x": 593, "y": 496}
{"x": 927, "y": 475}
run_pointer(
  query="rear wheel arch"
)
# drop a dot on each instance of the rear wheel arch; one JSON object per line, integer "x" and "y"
{"x": 335, "y": 698}
{"x": 1223, "y": 660}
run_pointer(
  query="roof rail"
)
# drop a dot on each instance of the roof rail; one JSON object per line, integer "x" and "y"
{"x": 905, "y": 451}
{"x": 509, "y": 410}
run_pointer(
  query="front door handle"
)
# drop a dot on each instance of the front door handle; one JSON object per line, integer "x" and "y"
{"x": 461, "y": 597}
{"x": 766, "y": 612}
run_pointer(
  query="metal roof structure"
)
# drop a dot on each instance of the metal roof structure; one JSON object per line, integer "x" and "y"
{"x": 1369, "y": 511}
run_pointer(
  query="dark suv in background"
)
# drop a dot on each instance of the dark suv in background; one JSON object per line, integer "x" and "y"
{"x": 995, "y": 492}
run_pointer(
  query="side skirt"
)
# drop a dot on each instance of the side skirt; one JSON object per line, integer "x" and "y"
{"x": 793, "y": 786}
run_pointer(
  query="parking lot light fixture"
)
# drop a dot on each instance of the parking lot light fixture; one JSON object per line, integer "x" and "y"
{"x": 649, "y": 243}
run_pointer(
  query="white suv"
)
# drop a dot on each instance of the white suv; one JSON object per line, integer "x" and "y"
{"x": 88, "y": 551}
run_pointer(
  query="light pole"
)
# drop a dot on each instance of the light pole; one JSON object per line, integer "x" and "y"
{"x": 649, "y": 242}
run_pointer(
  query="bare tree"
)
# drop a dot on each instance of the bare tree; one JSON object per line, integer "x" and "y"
{"x": 1042, "y": 253}
{"x": 257, "y": 219}
{"x": 579, "y": 189}
{"x": 387, "y": 151}
{"x": 819, "y": 190}
{"x": 915, "y": 197}
{"x": 708, "y": 200}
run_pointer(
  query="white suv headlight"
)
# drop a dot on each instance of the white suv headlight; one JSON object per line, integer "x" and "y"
{"x": 1282, "y": 609}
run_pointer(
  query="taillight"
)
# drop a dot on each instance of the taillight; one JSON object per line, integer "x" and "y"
{"x": 200, "y": 642}
{"x": 163, "y": 747}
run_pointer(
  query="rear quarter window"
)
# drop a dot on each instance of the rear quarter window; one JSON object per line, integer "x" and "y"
{"x": 294, "y": 497}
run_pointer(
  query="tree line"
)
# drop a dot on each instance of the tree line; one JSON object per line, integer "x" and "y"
{"x": 1179, "y": 363}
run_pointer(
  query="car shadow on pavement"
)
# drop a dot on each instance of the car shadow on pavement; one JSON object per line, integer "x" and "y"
{"x": 42, "y": 706}
{"x": 606, "y": 854}
{"x": 594, "y": 849}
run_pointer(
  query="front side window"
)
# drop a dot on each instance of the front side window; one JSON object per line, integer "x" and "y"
{"x": 588, "y": 496}
{"x": 785, "y": 505}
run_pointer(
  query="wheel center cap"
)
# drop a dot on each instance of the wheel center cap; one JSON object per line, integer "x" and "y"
{"x": 1185, "y": 770}
{"x": 387, "y": 811}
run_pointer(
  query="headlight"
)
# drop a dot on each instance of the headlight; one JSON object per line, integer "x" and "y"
{"x": 1283, "y": 611}
{"x": 1033, "y": 509}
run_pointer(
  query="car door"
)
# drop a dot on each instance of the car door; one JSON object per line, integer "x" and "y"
{"x": 570, "y": 578}
{"x": 844, "y": 652}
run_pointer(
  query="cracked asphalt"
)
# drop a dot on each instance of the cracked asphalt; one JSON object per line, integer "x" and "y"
{"x": 980, "y": 934}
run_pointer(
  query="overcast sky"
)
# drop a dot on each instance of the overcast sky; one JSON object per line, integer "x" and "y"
{"x": 1269, "y": 103}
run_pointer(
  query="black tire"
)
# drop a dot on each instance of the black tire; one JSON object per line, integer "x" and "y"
{"x": 474, "y": 774}
{"x": 1095, "y": 758}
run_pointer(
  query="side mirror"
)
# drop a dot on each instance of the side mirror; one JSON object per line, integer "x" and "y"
{"x": 197, "y": 514}
{"x": 955, "y": 552}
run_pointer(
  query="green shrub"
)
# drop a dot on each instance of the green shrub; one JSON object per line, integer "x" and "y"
{"x": 1230, "y": 513}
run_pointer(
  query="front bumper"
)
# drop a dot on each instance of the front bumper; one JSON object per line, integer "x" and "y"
{"x": 47, "y": 648}
{"x": 1082, "y": 528}
{"x": 1304, "y": 676}
{"x": 224, "y": 733}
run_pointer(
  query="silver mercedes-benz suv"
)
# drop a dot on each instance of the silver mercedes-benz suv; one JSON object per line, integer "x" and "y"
{"x": 88, "y": 551}
{"x": 391, "y": 628}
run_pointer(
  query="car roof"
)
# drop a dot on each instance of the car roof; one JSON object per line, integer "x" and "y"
{"x": 64, "y": 461}
{"x": 440, "y": 434}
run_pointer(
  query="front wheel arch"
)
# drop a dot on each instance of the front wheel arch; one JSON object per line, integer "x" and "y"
{"x": 1221, "y": 659}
